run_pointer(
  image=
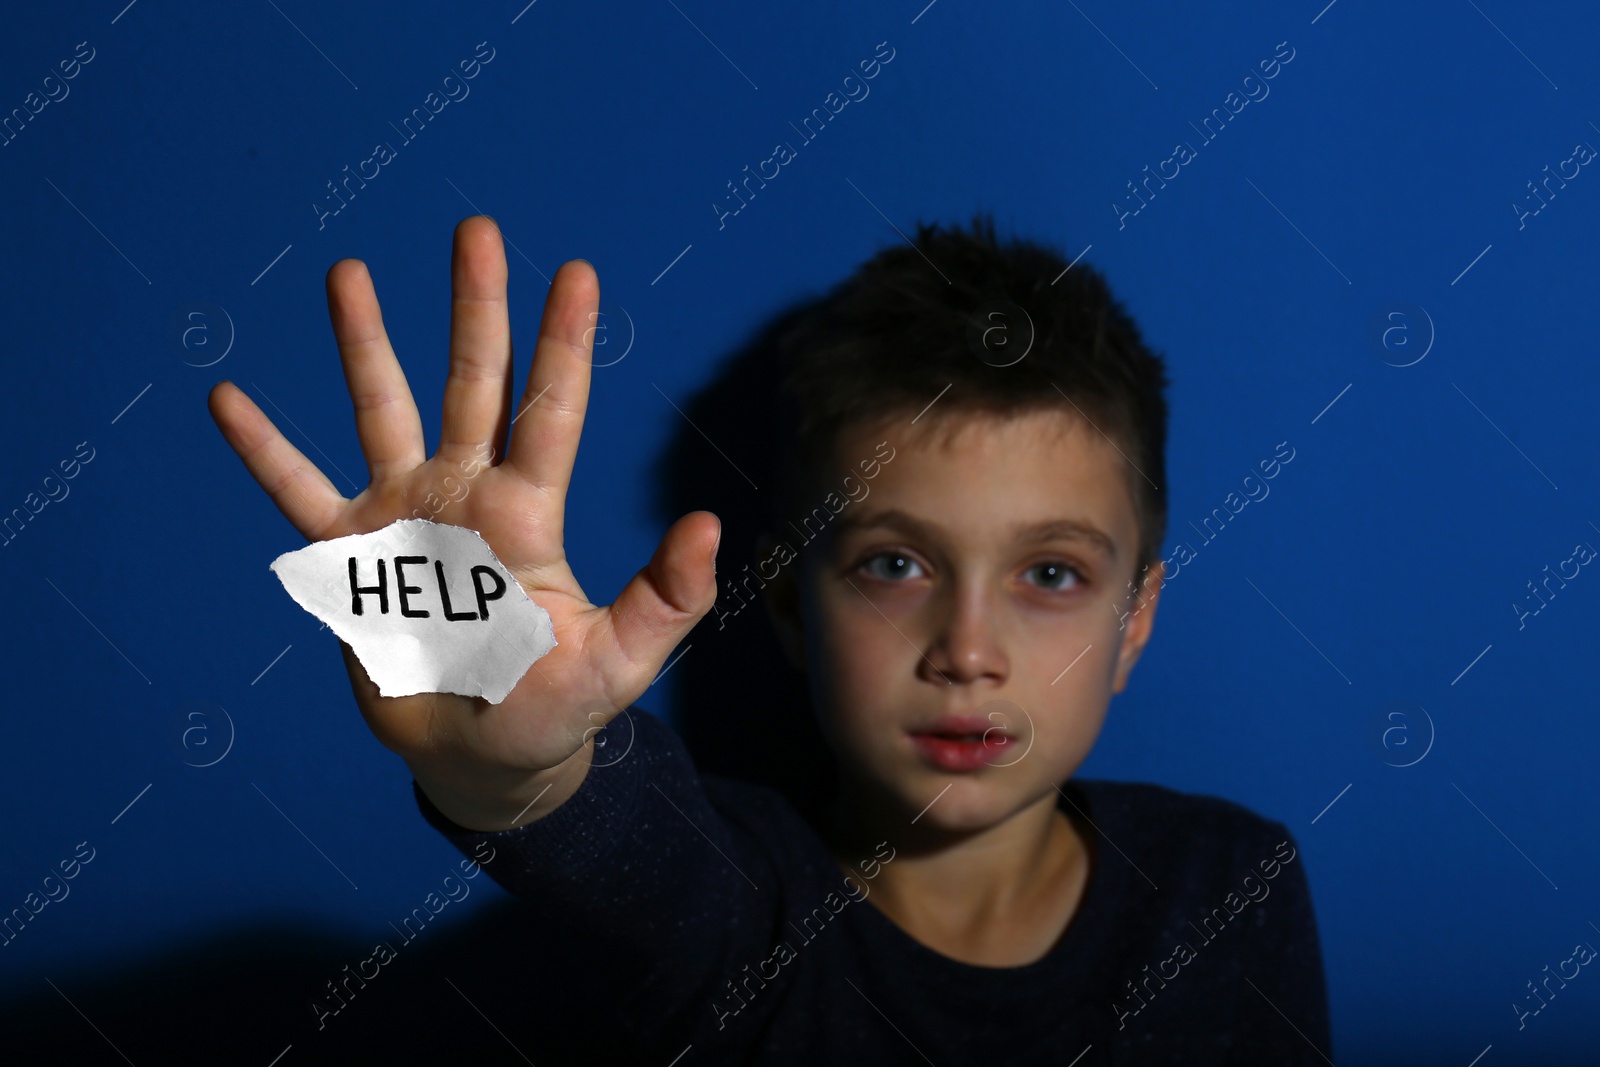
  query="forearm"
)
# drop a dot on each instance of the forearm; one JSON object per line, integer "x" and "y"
{"x": 655, "y": 891}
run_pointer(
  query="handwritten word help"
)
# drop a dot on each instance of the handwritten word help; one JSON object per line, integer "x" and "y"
{"x": 446, "y": 618}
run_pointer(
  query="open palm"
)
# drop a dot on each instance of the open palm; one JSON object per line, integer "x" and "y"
{"x": 476, "y": 760}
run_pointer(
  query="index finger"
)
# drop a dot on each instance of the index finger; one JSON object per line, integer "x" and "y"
{"x": 302, "y": 492}
{"x": 549, "y": 419}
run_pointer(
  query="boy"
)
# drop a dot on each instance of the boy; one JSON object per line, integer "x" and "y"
{"x": 961, "y": 633}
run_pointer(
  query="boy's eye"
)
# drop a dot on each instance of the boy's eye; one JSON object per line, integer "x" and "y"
{"x": 896, "y": 566}
{"x": 1057, "y": 575}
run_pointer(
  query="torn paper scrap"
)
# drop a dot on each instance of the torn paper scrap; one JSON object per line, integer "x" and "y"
{"x": 426, "y": 607}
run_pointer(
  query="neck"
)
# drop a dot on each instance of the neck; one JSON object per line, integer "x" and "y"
{"x": 955, "y": 878}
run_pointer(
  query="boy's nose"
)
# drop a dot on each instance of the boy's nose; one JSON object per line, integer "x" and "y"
{"x": 966, "y": 644}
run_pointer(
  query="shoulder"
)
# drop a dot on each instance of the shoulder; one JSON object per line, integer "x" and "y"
{"x": 1175, "y": 859}
{"x": 1223, "y": 891}
{"x": 1160, "y": 808}
{"x": 1187, "y": 833}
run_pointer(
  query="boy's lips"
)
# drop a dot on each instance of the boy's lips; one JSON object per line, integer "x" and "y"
{"x": 965, "y": 725}
{"x": 961, "y": 742}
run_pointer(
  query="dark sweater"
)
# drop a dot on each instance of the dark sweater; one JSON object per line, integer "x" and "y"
{"x": 705, "y": 915}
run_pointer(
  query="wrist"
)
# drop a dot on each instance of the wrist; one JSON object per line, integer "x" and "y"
{"x": 502, "y": 799}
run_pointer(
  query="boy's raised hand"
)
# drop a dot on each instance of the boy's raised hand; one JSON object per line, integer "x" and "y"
{"x": 489, "y": 766}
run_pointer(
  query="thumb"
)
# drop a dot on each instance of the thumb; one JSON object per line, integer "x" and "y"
{"x": 664, "y": 601}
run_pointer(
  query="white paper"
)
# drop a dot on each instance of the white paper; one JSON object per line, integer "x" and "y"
{"x": 490, "y": 638}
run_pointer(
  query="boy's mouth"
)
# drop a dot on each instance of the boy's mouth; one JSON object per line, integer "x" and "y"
{"x": 965, "y": 727}
{"x": 961, "y": 742}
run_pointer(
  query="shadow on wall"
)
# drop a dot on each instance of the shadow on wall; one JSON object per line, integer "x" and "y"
{"x": 245, "y": 996}
{"x": 742, "y": 710}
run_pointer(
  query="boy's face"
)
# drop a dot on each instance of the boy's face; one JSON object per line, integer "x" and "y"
{"x": 926, "y": 596}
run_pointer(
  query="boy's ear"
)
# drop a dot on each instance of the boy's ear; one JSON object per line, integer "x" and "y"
{"x": 1141, "y": 618}
{"x": 782, "y": 599}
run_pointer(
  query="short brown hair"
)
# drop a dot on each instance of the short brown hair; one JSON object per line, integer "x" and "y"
{"x": 931, "y": 320}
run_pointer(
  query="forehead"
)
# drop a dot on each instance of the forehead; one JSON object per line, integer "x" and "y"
{"x": 976, "y": 476}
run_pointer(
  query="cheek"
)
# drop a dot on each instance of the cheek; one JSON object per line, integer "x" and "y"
{"x": 1106, "y": 629}
{"x": 858, "y": 660}
{"x": 1083, "y": 640}
{"x": 1072, "y": 708}
{"x": 857, "y": 667}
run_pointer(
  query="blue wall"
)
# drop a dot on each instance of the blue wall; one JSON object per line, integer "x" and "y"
{"x": 1294, "y": 272}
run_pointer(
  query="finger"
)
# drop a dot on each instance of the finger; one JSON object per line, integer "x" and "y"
{"x": 549, "y": 419}
{"x": 502, "y": 425}
{"x": 302, "y": 492}
{"x": 387, "y": 423}
{"x": 480, "y": 340}
{"x": 661, "y": 604}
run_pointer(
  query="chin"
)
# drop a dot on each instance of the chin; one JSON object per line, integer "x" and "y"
{"x": 969, "y": 803}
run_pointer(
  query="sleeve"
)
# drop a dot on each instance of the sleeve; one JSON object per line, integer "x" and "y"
{"x": 1283, "y": 1007}
{"x": 652, "y": 898}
